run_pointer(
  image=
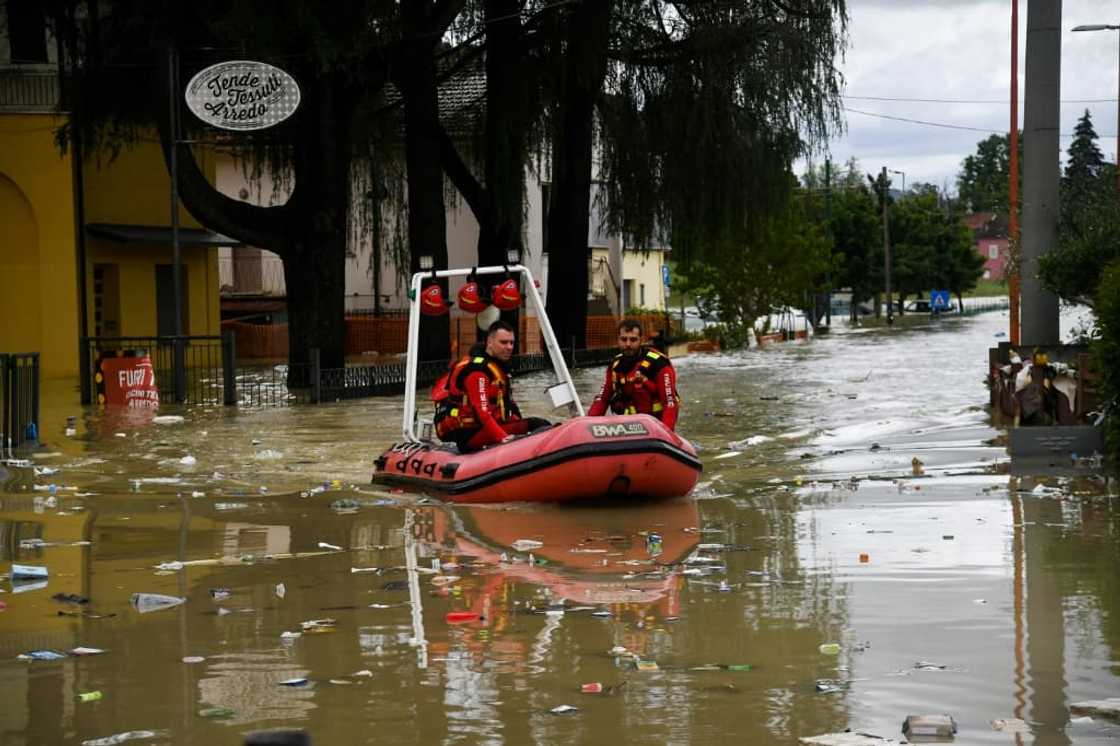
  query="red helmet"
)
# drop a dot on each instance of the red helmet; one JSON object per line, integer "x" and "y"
{"x": 470, "y": 299}
{"x": 506, "y": 296}
{"x": 432, "y": 302}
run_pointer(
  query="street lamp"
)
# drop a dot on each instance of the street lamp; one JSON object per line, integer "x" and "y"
{"x": 903, "y": 173}
{"x": 1107, "y": 27}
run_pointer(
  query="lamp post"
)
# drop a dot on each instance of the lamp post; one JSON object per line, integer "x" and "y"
{"x": 1108, "y": 27}
{"x": 903, "y": 174}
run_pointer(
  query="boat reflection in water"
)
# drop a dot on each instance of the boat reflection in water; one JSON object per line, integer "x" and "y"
{"x": 622, "y": 559}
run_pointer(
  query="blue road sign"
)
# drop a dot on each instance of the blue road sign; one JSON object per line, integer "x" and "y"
{"x": 939, "y": 300}
{"x": 665, "y": 274}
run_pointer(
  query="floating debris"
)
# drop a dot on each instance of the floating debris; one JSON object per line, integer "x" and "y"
{"x": 935, "y": 726}
{"x": 128, "y": 735}
{"x": 85, "y": 651}
{"x": 294, "y": 682}
{"x": 148, "y": 602}
{"x": 1011, "y": 725}
{"x": 28, "y": 571}
{"x": 1105, "y": 707}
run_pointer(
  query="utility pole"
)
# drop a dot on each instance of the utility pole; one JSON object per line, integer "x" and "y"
{"x": 828, "y": 219}
{"x": 178, "y": 350}
{"x": 1040, "y": 168}
{"x": 883, "y": 195}
{"x": 1012, "y": 268}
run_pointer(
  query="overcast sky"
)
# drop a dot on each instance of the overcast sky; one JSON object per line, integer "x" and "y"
{"x": 960, "y": 49}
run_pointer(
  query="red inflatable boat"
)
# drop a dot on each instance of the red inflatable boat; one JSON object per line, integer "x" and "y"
{"x": 582, "y": 459}
{"x": 587, "y": 458}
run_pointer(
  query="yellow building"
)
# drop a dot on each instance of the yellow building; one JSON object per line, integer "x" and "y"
{"x": 119, "y": 260}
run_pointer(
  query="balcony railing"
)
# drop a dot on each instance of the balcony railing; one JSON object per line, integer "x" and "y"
{"x": 29, "y": 90}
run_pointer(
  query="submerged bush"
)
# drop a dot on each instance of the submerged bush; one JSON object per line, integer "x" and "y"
{"x": 1107, "y": 352}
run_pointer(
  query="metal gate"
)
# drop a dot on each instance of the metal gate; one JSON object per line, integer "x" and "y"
{"x": 19, "y": 399}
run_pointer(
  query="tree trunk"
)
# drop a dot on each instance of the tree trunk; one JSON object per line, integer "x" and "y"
{"x": 315, "y": 254}
{"x": 308, "y": 233}
{"x": 507, "y": 93}
{"x": 581, "y": 74}
{"x": 415, "y": 75}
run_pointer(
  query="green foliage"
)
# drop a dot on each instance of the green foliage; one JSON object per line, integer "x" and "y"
{"x": 847, "y": 176}
{"x": 931, "y": 247}
{"x": 1089, "y": 226}
{"x": 1107, "y": 351}
{"x": 857, "y": 242}
{"x": 1087, "y": 243}
{"x": 776, "y": 269}
{"x": 707, "y": 105}
{"x": 982, "y": 184}
{"x": 1085, "y": 159}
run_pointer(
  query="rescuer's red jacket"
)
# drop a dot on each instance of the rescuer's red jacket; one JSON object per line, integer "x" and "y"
{"x": 642, "y": 384}
{"x": 473, "y": 402}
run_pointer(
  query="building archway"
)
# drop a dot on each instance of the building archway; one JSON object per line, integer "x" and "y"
{"x": 20, "y": 263}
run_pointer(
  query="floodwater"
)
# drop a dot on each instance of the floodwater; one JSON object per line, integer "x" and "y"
{"x": 963, "y": 591}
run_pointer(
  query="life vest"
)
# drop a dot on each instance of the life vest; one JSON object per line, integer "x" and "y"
{"x": 453, "y": 407}
{"x": 635, "y": 391}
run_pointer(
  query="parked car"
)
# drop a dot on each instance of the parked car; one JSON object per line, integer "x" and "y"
{"x": 696, "y": 320}
{"x": 921, "y": 305}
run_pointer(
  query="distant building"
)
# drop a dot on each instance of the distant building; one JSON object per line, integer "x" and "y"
{"x": 989, "y": 236}
{"x": 622, "y": 277}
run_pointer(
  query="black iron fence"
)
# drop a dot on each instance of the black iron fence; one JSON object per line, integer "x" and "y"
{"x": 188, "y": 370}
{"x": 357, "y": 382}
{"x": 19, "y": 399}
{"x": 204, "y": 371}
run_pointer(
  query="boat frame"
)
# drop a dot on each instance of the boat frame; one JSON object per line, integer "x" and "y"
{"x": 561, "y": 393}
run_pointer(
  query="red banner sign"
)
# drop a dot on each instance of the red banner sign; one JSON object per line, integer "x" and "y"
{"x": 127, "y": 381}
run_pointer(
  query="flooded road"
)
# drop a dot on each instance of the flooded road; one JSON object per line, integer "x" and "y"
{"x": 813, "y": 583}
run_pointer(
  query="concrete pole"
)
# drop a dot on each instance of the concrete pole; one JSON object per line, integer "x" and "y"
{"x": 1041, "y": 168}
{"x": 886, "y": 242}
{"x": 828, "y": 222}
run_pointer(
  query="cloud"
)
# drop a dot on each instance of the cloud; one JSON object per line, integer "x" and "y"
{"x": 959, "y": 50}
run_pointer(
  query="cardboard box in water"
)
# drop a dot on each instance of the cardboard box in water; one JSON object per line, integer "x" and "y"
{"x": 932, "y": 727}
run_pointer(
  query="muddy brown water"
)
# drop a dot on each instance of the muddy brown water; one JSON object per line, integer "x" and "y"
{"x": 1006, "y": 586}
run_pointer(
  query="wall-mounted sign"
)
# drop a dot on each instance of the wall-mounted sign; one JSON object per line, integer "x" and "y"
{"x": 242, "y": 95}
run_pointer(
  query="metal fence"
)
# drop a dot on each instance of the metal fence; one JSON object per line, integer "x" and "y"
{"x": 388, "y": 379}
{"x": 975, "y": 306}
{"x": 188, "y": 370}
{"x": 205, "y": 371}
{"x": 19, "y": 399}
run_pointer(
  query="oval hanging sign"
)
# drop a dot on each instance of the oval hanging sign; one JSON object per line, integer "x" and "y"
{"x": 242, "y": 95}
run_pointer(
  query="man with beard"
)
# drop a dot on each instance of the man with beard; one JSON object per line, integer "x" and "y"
{"x": 640, "y": 380}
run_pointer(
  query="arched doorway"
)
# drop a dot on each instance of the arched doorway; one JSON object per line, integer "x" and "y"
{"x": 20, "y": 320}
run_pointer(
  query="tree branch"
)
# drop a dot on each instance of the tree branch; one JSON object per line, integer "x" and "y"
{"x": 444, "y": 14}
{"x": 799, "y": 13}
{"x": 258, "y": 226}
{"x": 461, "y": 176}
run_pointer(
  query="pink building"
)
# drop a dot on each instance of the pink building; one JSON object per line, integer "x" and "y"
{"x": 989, "y": 233}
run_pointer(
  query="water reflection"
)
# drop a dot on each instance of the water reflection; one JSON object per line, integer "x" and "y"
{"x": 803, "y": 535}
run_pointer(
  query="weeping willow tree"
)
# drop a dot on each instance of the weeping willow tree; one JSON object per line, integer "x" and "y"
{"x": 334, "y": 157}
{"x": 703, "y": 108}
